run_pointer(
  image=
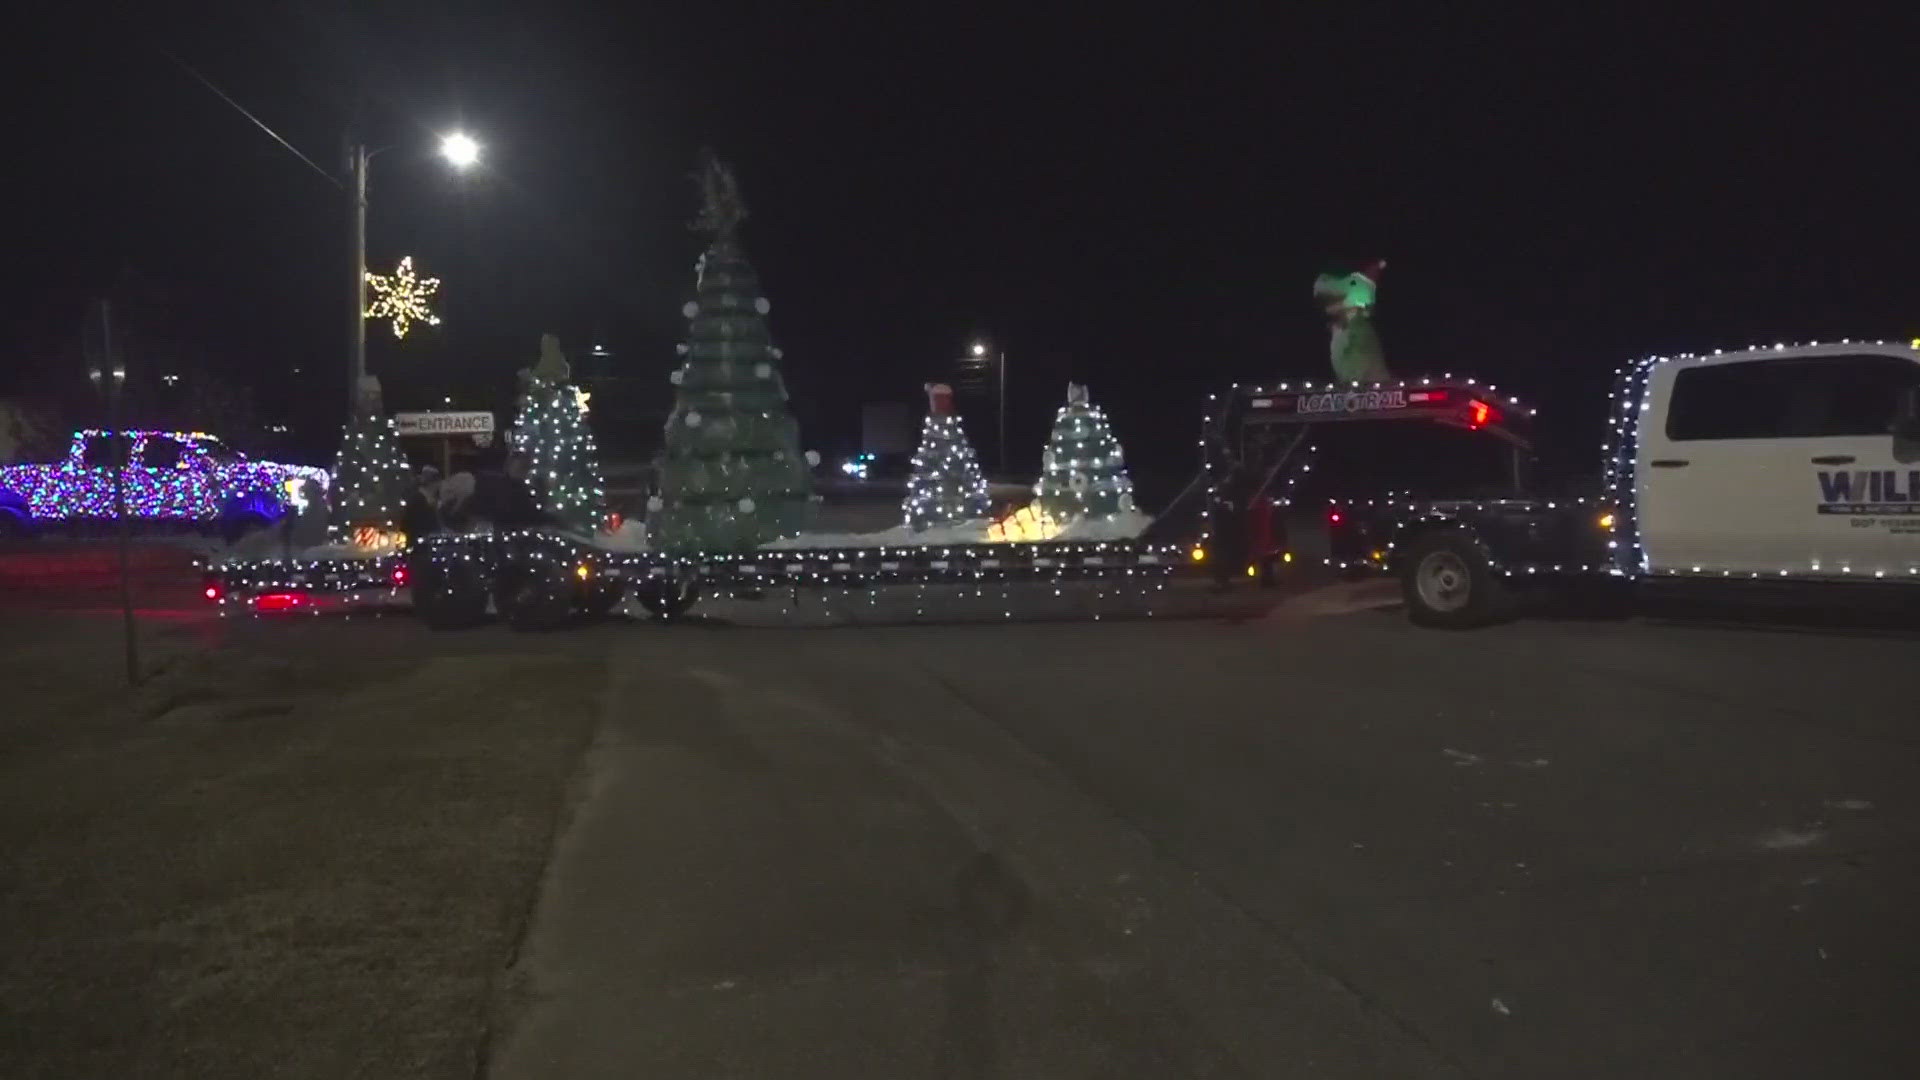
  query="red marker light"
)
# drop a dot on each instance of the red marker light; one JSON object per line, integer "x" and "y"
{"x": 1480, "y": 414}
{"x": 399, "y": 575}
{"x": 213, "y": 592}
{"x": 1334, "y": 517}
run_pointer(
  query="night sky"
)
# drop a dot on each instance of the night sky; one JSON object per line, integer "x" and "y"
{"x": 1140, "y": 204}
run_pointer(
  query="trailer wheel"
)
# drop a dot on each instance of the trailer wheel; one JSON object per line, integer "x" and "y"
{"x": 448, "y": 595}
{"x": 667, "y": 600}
{"x": 1448, "y": 583}
{"x": 603, "y": 597}
{"x": 535, "y": 597}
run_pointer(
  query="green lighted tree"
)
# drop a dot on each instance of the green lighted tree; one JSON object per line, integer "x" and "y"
{"x": 947, "y": 486}
{"x": 731, "y": 475}
{"x": 563, "y": 464}
{"x": 371, "y": 477}
{"x": 1081, "y": 474}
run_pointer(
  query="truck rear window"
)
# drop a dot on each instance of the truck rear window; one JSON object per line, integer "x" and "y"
{"x": 1789, "y": 398}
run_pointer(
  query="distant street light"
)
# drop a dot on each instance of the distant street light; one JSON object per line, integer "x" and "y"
{"x": 978, "y": 351}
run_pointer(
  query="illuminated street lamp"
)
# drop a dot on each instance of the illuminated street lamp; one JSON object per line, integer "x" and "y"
{"x": 459, "y": 150}
{"x": 978, "y": 356}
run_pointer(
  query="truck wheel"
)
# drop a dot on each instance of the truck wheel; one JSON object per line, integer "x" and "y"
{"x": 666, "y": 600}
{"x": 14, "y": 526}
{"x": 536, "y": 597}
{"x": 1448, "y": 583}
{"x": 235, "y": 527}
{"x": 603, "y": 597}
{"x": 448, "y": 596}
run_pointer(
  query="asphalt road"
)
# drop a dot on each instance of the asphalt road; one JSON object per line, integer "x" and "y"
{"x": 1311, "y": 844}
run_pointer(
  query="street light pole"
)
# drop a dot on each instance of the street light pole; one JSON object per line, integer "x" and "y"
{"x": 460, "y": 151}
{"x": 1001, "y": 428}
{"x": 357, "y": 157}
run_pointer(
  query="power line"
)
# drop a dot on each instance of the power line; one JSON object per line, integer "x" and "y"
{"x": 204, "y": 81}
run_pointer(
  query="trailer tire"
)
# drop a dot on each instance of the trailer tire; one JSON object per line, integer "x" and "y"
{"x": 448, "y": 595}
{"x": 1449, "y": 583}
{"x": 667, "y": 600}
{"x": 535, "y": 597}
{"x": 602, "y": 597}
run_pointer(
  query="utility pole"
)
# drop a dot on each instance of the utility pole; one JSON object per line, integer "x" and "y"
{"x": 357, "y": 333}
{"x": 109, "y": 374}
{"x": 1001, "y": 428}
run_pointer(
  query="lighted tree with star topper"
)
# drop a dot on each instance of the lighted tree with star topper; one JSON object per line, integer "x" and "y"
{"x": 731, "y": 475}
{"x": 563, "y": 466}
{"x": 402, "y": 297}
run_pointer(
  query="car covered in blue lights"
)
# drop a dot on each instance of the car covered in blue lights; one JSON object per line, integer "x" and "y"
{"x": 170, "y": 476}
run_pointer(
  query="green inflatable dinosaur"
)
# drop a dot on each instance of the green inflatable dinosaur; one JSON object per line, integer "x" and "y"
{"x": 1348, "y": 300}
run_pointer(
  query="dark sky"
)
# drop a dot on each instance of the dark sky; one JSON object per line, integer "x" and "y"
{"x": 1137, "y": 203}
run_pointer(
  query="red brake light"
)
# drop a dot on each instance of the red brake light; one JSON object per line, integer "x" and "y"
{"x": 1480, "y": 414}
{"x": 399, "y": 575}
{"x": 213, "y": 592}
{"x": 278, "y": 601}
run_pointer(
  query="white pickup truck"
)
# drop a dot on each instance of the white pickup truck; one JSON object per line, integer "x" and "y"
{"x": 1794, "y": 463}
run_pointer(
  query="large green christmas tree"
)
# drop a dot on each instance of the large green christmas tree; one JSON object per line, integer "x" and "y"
{"x": 947, "y": 486}
{"x": 1081, "y": 472}
{"x": 731, "y": 476}
{"x": 371, "y": 478}
{"x": 563, "y": 464}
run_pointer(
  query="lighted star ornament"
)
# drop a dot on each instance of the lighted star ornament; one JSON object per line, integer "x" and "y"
{"x": 402, "y": 297}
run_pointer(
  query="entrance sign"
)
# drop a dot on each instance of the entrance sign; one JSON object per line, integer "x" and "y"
{"x": 443, "y": 423}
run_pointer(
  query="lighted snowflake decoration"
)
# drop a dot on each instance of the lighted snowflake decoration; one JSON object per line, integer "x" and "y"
{"x": 402, "y": 297}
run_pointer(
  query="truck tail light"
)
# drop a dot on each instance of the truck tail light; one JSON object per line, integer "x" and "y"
{"x": 1334, "y": 517}
{"x": 399, "y": 575}
{"x": 1480, "y": 414}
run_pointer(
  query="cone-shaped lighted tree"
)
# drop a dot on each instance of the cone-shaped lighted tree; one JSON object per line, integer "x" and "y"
{"x": 367, "y": 497}
{"x": 563, "y": 464}
{"x": 947, "y": 486}
{"x": 732, "y": 476}
{"x": 1081, "y": 474}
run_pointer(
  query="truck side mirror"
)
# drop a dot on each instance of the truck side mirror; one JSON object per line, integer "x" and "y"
{"x": 1906, "y": 417}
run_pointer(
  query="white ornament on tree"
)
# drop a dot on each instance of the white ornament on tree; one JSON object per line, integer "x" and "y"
{"x": 677, "y": 377}
{"x": 690, "y": 308}
{"x": 681, "y": 348}
{"x": 1078, "y": 481}
{"x": 655, "y": 504}
{"x": 762, "y": 371}
{"x": 813, "y": 457}
{"x": 693, "y": 418}
{"x": 1126, "y": 502}
{"x": 760, "y": 305}
{"x": 746, "y": 505}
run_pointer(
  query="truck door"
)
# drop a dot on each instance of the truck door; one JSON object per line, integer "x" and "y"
{"x": 1712, "y": 465}
{"x": 99, "y": 454}
{"x": 1858, "y": 501}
